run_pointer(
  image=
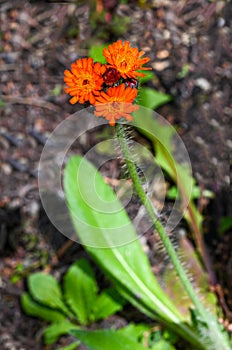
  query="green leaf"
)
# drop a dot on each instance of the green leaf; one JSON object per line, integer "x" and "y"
{"x": 56, "y": 330}
{"x": 162, "y": 137}
{"x": 95, "y": 52}
{"x": 149, "y": 75}
{"x": 173, "y": 193}
{"x": 46, "y": 290}
{"x": 225, "y": 224}
{"x": 184, "y": 71}
{"x": 162, "y": 345}
{"x": 2, "y": 104}
{"x": 108, "y": 303}
{"x": 144, "y": 333}
{"x": 136, "y": 331}
{"x": 107, "y": 339}
{"x": 152, "y": 98}
{"x": 80, "y": 290}
{"x": 72, "y": 346}
{"x": 34, "y": 309}
{"x": 127, "y": 266}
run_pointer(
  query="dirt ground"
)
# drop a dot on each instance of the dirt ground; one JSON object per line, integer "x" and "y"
{"x": 189, "y": 45}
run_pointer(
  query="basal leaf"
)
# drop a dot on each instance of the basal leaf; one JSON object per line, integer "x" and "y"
{"x": 56, "y": 330}
{"x": 162, "y": 345}
{"x": 107, "y": 339}
{"x": 127, "y": 266}
{"x": 108, "y": 303}
{"x": 72, "y": 346}
{"x": 34, "y": 309}
{"x": 45, "y": 289}
{"x": 136, "y": 331}
{"x": 80, "y": 290}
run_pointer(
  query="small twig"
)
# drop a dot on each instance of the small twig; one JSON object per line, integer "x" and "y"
{"x": 30, "y": 101}
{"x": 7, "y": 67}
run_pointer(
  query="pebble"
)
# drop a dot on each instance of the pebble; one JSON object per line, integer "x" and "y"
{"x": 221, "y": 22}
{"x": 203, "y": 84}
{"x": 32, "y": 208}
{"x": 214, "y": 123}
{"x": 200, "y": 140}
{"x": 166, "y": 34}
{"x": 160, "y": 66}
{"x": 10, "y": 57}
{"x": 36, "y": 61}
{"x": 162, "y": 54}
{"x": 229, "y": 143}
{"x": 6, "y": 169}
{"x": 214, "y": 161}
{"x": 185, "y": 38}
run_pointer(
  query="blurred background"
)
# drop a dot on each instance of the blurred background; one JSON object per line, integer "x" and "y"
{"x": 189, "y": 44}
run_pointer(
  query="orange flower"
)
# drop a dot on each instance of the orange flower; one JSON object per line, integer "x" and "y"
{"x": 116, "y": 103}
{"x": 125, "y": 59}
{"x": 84, "y": 81}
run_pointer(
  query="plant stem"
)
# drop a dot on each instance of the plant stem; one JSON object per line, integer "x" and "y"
{"x": 203, "y": 313}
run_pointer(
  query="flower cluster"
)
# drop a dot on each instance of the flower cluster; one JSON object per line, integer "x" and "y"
{"x": 106, "y": 86}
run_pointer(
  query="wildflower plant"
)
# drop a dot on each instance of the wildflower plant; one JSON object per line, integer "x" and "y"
{"x": 113, "y": 84}
{"x": 101, "y": 223}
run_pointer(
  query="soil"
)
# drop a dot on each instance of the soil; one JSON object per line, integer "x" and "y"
{"x": 189, "y": 45}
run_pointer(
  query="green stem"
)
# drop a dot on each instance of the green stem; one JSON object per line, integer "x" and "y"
{"x": 205, "y": 317}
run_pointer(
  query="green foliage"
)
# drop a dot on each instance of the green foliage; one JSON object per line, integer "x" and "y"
{"x": 46, "y": 290}
{"x": 96, "y": 54}
{"x": 2, "y": 104}
{"x": 38, "y": 310}
{"x": 197, "y": 193}
{"x": 77, "y": 303}
{"x": 81, "y": 290}
{"x": 107, "y": 339}
{"x": 149, "y": 75}
{"x": 225, "y": 224}
{"x": 107, "y": 303}
{"x": 57, "y": 90}
{"x": 162, "y": 345}
{"x": 127, "y": 266}
{"x": 184, "y": 71}
{"x": 179, "y": 174}
{"x": 53, "y": 332}
{"x": 152, "y": 98}
{"x": 136, "y": 337}
{"x": 72, "y": 346}
{"x": 105, "y": 29}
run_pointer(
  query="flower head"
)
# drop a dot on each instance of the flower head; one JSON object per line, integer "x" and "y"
{"x": 116, "y": 103}
{"x": 84, "y": 81}
{"x": 111, "y": 76}
{"x": 125, "y": 59}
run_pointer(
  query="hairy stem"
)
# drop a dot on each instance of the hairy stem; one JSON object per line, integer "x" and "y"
{"x": 203, "y": 313}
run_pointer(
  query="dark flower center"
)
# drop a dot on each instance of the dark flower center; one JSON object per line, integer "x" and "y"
{"x": 111, "y": 76}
